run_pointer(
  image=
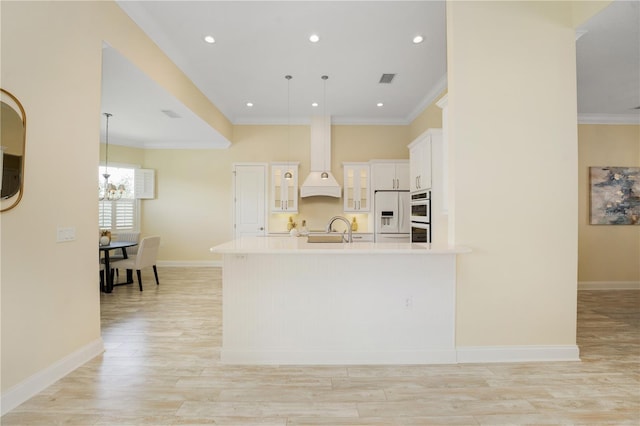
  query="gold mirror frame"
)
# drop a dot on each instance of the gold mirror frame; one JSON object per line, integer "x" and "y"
{"x": 14, "y": 143}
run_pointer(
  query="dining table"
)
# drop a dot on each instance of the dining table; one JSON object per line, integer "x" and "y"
{"x": 105, "y": 249}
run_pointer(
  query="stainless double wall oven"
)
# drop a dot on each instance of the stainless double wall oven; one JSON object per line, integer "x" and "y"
{"x": 421, "y": 217}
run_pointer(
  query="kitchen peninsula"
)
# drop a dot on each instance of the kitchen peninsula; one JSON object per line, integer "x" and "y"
{"x": 288, "y": 301}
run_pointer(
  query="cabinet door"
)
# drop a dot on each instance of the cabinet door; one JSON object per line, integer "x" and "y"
{"x": 420, "y": 165}
{"x": 425, "y": 173}
{"x": 364, "y": 175}
{"x": 415, "y": 166}
{"x": 402, "y": 176}
{"x": 384, "y": 176}
{"x": 356, "y": 187}
{"x": 284, "y": 192}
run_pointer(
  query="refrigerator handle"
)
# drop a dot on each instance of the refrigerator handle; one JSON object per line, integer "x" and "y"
{"x": 400, "y": 213}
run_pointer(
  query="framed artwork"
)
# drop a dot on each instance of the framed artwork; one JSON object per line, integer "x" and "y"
{"x": 615, "y": 195}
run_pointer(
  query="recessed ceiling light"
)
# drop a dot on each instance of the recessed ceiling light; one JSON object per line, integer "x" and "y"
{"x": 209, "y": 39}
{"x": 379, "y": 104}
{"x": 249, "y": 104}
{"x": 418, "y": 39}
{"x": 315, "y": 104}
{"x": 314, "y": 38}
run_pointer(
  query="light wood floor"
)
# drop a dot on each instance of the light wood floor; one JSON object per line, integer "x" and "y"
{"x": 161, "y": 367}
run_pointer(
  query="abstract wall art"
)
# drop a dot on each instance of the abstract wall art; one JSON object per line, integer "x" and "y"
{"x": 615, "y": 195}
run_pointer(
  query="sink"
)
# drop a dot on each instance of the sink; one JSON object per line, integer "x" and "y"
{"x": 325, "y": 238}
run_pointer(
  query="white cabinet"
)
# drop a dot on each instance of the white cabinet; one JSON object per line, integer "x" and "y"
{"x": 357, "y": 187}
{"x": 420, "y": 160}
{"x": 420, "y": 168}
{"x": 390, "y": 175}
{"x": 284, "y": 192}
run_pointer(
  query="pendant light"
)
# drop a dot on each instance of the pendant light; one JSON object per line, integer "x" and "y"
{"x": 110, "y": 191}
{"x": 324, "y": 175}
{"x": 288, "y": 175}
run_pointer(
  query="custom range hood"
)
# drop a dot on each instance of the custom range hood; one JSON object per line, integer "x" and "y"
{"x": 320, "y": 182}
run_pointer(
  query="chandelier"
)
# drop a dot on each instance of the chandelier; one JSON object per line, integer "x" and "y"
{"x": 109, "y": 191}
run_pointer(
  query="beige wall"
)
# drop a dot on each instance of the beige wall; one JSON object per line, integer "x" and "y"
{"x": 430, "y": 118}
{"x": 51, "y": 61}
{"x": 607, "y": 253}
{"x": 512, "y": 109}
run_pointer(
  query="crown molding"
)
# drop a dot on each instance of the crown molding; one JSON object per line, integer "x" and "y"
{"x": 433, "y": 94}
{"x": 609, "y": 119}
{"x": 187, "y": 145}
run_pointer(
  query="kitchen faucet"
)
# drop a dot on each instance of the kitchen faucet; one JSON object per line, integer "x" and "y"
{"x": 345, "y": 220}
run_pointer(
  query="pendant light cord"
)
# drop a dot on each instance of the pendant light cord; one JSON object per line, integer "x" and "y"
{"x": 325, "y": 174}
{"x": 106, "y": 153}
{"x": 288, "y": 174}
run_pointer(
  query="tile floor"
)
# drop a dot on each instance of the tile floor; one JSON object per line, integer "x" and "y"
{"x": 161, "y": 367}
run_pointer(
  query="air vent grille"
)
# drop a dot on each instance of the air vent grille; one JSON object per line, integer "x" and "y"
{"x": 170, "y": 113}
{"x": 387, "y": 78}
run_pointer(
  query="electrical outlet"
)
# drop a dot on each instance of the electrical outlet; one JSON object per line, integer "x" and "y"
{"x": 66, "y": 234}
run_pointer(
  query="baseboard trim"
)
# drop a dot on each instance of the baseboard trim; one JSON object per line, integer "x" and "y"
{"x": 35, "y": 384}
{"x": 608, "y": 285}
{"x": 275, "y": 357}
{"x": 198, "y": 263}
{"x": 490, "y": 354}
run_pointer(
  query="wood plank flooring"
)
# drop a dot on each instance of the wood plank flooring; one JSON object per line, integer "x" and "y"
{"x": 161, "y": 367}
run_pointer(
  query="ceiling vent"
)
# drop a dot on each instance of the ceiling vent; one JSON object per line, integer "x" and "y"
{"x": 386, "y": 78}
{"x": 170, "y": 113}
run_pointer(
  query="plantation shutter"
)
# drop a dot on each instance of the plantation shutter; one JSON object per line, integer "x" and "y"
{"x": 145, "y": 184}
{"x": 124, "y": 215}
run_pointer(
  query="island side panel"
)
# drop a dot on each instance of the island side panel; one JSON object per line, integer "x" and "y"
{"x": 338, "y": 309}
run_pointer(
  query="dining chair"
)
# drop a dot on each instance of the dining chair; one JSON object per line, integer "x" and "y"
{"x": 129, "y": 236}
{"x": 146, "y": 256}
{"x": 101, "y": 276}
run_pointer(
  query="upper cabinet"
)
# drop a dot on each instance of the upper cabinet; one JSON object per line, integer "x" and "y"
{"x": 284, "y": 192}
{"x": 357, "y": 187}
{"x": 420, "y": 160}
{"x": 390, "y": 175}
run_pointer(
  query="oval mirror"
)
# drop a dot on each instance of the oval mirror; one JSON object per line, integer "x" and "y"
{"x": 13, "y": 129}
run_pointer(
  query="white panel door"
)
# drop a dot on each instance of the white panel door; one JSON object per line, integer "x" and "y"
{"x": 249, "y": 199}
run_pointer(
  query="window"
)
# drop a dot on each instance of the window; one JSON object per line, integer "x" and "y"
{"x": 122, "y": 214}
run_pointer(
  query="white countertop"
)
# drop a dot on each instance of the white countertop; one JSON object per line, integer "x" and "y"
{"x": 299, "y": 245}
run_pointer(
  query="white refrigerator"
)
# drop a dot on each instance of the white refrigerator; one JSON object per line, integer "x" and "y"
{"x": 392, "y": 216}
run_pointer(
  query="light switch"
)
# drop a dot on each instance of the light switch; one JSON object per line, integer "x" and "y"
{"x": 66, "y": 234}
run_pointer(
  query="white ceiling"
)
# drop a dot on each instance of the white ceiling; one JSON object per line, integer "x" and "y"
{"x": 608, "y": 64}
{"x": 137, "y": 103}
{"x": 259, "y": 42}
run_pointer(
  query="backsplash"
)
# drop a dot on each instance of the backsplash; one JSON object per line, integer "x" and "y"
{"x": 317, "y": 211}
